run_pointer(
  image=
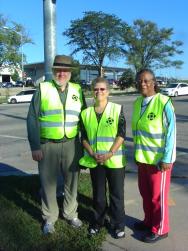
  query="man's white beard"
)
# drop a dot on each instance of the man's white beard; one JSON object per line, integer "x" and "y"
{"x": 60, "y": 84}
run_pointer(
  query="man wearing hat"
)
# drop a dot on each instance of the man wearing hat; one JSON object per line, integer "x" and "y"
{"x": 53, "y": 126}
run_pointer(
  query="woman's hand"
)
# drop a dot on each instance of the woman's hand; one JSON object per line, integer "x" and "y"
{"x": 165, "y": 166}
{"x": 101, "y": 158}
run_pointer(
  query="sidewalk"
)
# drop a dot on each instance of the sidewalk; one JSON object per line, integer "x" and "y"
{"x": 177, "y": 240}
{"x": 178, "y": 204}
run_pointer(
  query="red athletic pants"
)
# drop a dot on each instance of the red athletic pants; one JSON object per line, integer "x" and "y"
{"x": 154, "y": 188}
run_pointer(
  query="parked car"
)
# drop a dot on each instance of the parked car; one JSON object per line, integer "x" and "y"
{"x": 19, "y": 83}
{"x": 23, "y": 96}
{"x": 29, "y": 82}
{"x": 175, "y": 89}
{"x": 161, "y": 82}
{"x": 7, "y": 85}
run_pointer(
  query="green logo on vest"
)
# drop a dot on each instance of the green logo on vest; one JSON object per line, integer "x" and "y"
{"x": 110, "y": 121}
{"x": 74, "y": 97}
{"x": 151, "y": 116}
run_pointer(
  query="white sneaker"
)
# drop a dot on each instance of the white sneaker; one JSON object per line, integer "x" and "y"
{"x": 48, "y": 228}
{"x": 77, "y": 223}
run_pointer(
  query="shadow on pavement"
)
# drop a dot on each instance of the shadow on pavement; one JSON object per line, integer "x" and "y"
{"x": 181, "y": 118}
{"x": 12, "y": 116}
{"x": 6, "y": 170}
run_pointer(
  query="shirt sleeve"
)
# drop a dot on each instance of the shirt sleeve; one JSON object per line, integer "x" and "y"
{"x": 33, "y": 125}
{"x": 169, "y": 121}
{"x": 84, "y": 106}
{"x": 83, "y": 131}
{"x": 121, "y": 125}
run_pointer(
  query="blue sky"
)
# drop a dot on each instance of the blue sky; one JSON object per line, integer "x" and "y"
{"x": 166, "y": 13}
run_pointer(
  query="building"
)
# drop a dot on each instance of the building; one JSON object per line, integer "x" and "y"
{"x": 35, "y": 71}
{"x": 6, "y": 73}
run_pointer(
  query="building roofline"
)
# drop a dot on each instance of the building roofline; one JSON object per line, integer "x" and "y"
{"x": 82, "y": 66}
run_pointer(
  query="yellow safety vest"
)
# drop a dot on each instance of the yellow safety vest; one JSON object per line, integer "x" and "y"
{"x": 148, "y": 130}
{"x": 102, "y": 135}
{"x": 57, "y": 121}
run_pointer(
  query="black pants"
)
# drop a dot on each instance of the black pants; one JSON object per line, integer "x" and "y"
{"x": 115, "y": 178}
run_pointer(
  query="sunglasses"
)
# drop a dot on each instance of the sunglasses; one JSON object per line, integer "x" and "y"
{"x": 99, "y": 89}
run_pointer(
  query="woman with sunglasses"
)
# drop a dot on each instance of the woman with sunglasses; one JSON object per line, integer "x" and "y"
{"x": 103, "y": 134}
{"x": 154, "y": 134}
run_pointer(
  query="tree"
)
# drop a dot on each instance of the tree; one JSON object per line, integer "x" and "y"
{"x": 12, "y": 37}
{"x": 15, "y": 75}
{"x": 75, "y": 75}
{"x": 127, "y": 79}
{"x": 96, "y": 35}
{"x": 147, "y": 46}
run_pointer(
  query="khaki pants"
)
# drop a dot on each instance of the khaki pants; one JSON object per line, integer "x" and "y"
{"x": 59, "y": 158}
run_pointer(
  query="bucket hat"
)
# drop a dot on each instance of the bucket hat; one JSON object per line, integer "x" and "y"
{"x": 63, "y": 62}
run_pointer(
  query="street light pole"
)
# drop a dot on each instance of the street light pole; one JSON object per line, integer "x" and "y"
{"x": 22, "y": 66}
{"x": 21, "y": 38}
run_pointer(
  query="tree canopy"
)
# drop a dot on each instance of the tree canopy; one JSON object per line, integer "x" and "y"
{"x": 127, "y": 79}
{"x": 12, "y": 37}
{"x": 97, "y": 36}
{"x": 146, "y": 46}
{"x": 75, "y": 75}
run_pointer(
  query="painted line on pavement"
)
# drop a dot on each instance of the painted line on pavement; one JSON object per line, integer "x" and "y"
{"x": 12, "y": 137}
{"x": 180, "y": 154}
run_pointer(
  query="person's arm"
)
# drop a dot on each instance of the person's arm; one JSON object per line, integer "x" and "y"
{"x": 33, "y": 126}
{"x": 122, "y": 124}
{"x": 84, "y": 105}
{"x": 169, "y": 121}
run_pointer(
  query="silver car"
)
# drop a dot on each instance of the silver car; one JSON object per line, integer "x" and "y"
{"x": 23, "y": 96}
{"x": 175, "y": 89}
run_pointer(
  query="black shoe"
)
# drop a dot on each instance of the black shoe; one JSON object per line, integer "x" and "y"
{"x": 152, "y": 237}
{"x": 119, "y": 233}
{"x": 140, "y": 226}
{"x": 93, "y": 230}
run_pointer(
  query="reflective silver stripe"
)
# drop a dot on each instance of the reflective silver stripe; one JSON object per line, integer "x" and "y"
{"x": 51, "y": 112}
{"x": 51, "y": 124}
{"x": 58, "y": 124}
{"x": 101, "y": 139}
{"x": 118, "y": 152}
{"x": 71, "y": 124}
{"x": 59, "y": 111}
{"x": 150, "y": 148}
{"x": 72, "y": 112}
{"x": 149, "y": 135}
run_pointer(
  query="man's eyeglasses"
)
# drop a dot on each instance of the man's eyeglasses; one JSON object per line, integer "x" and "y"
{"x": 146, "y": 81}
{"x": 99, "y": 89}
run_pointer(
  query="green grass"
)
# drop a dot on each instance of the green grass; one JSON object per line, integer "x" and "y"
{"x": 20, "y": 218}
{"x": 3, "y": 99}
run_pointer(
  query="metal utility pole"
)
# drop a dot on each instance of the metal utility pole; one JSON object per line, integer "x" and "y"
{"x": 49, "y": 14}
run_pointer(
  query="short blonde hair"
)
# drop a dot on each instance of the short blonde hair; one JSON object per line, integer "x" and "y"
{"x": 100, "y": 80}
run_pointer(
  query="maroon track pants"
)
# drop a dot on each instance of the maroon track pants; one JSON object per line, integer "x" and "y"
{"x": 154, "y": 188}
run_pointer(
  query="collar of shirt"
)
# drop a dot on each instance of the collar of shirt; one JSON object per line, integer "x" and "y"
{"x": 146, "y": 100}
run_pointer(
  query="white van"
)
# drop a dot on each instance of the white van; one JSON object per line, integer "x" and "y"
{"x": 23, "y": 96}
{"x": 175, "y": 89}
